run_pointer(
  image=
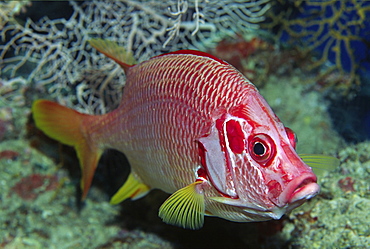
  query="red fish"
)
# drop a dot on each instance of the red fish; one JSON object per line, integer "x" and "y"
{"x": 191, "y": 125}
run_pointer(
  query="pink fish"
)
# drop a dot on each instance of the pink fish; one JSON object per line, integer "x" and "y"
{"x": 191, "y": 125}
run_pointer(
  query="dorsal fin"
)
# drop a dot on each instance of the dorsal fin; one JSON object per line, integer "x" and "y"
{"x": 114, "y": 51}
{"x": 196, "y": 52}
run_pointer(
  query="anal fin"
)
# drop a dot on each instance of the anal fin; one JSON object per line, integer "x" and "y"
{"x": 185, "y": 207}
{"x": 132, "y": 188}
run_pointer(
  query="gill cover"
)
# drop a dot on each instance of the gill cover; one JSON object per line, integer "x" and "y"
{"x": 227, "y": 136}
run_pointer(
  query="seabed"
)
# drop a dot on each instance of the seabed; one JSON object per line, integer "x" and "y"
{"x": 40, "y": 206}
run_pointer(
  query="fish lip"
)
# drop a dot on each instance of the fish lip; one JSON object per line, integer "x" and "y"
{"x": 299, "y": 189}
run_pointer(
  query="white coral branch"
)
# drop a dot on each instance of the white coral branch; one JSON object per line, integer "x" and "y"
{"x": 198, "y": 16}
{"x": 174, "y": 30}
{"x": 54, "y": 54}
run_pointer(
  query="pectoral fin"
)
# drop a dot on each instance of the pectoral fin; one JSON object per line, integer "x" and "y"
{"x": 320, "y": 163}
{"x": 132, "y": 188}
{"x": 185, "y": 207}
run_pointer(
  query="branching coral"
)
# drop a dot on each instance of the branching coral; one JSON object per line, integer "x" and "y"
{"x": 10, "y": 8}
{"x": 55, "y": 56}
{"x": 206, "y": 22}
{"x": 334, "y": 30}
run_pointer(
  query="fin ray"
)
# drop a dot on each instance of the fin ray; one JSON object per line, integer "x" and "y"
{"x": 114, "y": 51}
{"x": 320, "y": 163}
{"x": 66, "y": 126}
{"x": 184, "y": 208}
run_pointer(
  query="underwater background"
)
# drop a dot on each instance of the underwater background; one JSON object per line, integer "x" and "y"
{"x": 309, "y": 59}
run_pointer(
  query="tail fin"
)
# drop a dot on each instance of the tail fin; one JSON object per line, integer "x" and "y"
{"x": 67, "y": 126}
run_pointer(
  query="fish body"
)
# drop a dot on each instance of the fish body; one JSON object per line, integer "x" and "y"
{"x": 193, "y": 126}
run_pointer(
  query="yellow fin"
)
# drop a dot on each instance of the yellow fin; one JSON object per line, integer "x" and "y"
{"x": 58, "y": 122}
{"x": 184, "y": 208}
{"x": 69, "y": 127}
{"x": 132, "y": 188}
{"x": 320, "y": 163}
{"x": 114, "y": 51}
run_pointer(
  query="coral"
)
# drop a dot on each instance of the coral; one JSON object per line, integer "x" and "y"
{"x": 52, "y": 220}
{"x": 238, "y": 50}
{"x": 346, "y": 184}
{"x": 336, "y": 214}
{"x": 214, "y": 20}
{"x": 341, "y": 216}
{"x": 54, "y": 56}
{"x": 259, "y": 59}
{"x": 29, "y": 187}
{"x": 6, "y": 122}
{"x": 10, "y": 8}
{"x": 8, "y": 154}
{"x": 136, "y": 239}
{"x": 335, "y": 31}
{"x": 13, "y": 94}
{"x": 12, "y": 91}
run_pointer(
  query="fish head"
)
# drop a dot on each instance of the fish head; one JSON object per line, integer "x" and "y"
{"x": 250, "y": 159}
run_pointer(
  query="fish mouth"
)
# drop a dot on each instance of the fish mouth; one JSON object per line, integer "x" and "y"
{"x": 300, "y": 189}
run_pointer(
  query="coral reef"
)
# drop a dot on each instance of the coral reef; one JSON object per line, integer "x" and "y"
{"x": 39, "y": 210}
{"x": 10, "y": 8}
{"x": 238, "y": 51}
{"x": 29, "y": 187}
{"x": 335, "y": 31}
{"x": 53, "y": 55}
{"x": 259, "y": 58}
{"x": 39, "y": 180}
{"x": 53, "y": 217}
{"x": 340, "y": 214}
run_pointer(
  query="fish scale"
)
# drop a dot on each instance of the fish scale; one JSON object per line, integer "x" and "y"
{"x": 193, "y": 126}
{"x": 185, "y": 98}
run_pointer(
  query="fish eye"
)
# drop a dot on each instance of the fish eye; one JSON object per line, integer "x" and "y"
{"x": 262, "y": 149}
{"x": 259, "y": 149}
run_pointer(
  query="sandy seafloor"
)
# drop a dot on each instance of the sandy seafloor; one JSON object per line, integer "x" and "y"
{"x": 49, "y": 215}
{"x": 39, "y": 188}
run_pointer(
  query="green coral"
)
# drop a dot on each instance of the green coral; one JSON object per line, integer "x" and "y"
{"x": 339, "y": 216}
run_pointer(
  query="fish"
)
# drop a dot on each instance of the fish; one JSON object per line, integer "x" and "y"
{"x": 192, "y": 126}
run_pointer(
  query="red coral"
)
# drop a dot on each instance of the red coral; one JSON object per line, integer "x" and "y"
{"x": 8, "y": 154}
{"x": 346, "y": 184}
{"x": 240, "y": 47}
{"x": 29, "y": 187}
{"x": 234, "y": 52}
